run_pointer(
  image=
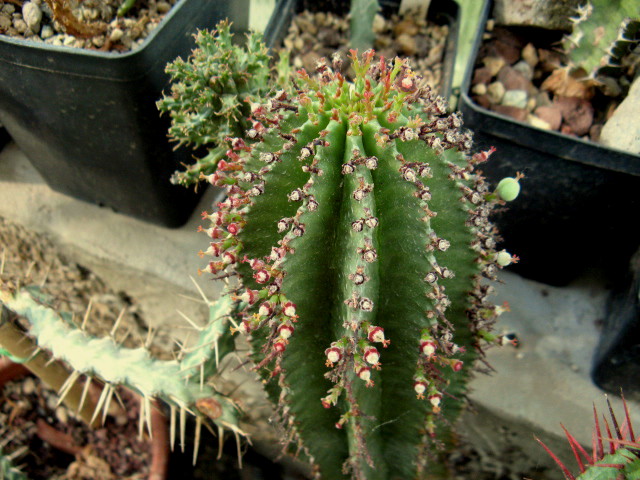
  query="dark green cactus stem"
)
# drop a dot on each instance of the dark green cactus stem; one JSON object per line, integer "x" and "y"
{"x": 211, "y": 95}
{"x": 604, "y": 31}
{"x": 360, "y": 235}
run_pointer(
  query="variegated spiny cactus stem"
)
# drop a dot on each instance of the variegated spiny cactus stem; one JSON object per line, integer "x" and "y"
{"x": 354, "y": 221}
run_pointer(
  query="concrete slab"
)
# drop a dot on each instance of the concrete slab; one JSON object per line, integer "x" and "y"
{"x": 536, "y": 387}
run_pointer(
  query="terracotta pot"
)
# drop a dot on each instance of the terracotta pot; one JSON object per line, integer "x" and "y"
{"x": 158, "y": 470}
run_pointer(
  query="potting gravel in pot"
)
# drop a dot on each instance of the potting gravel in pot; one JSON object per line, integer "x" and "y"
{"x": 78, "y": 88}
{"x": 309, "y": 31}
{"x": 567, "y": 129}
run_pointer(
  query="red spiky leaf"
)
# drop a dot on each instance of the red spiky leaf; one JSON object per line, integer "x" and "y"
{"x": 568, "y": 475}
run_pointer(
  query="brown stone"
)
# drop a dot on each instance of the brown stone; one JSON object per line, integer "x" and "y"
{"x": 482, "y": 100}
{"x": 507, "y": 45}
{"x": 494, "y": 64}
{"x": 530, "y": 55}
{"x": 548, "y": 60}
{"x": 551, "y": 114}
{"x": 407, "y": 44}
{"x": 407, "y": 27}
{"x": 577, "y": 113}
{"x": 516, "y": 113}
{"x": 514, "y": 80}
{"x": 481, "y": 75}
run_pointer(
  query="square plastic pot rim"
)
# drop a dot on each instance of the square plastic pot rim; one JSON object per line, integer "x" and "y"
{"x": 566, "y": 147}
{"x": 68, "y": 54}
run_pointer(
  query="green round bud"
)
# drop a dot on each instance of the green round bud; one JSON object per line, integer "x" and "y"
{"x": 508, "y": 189}
{"x": 503, "y": 258}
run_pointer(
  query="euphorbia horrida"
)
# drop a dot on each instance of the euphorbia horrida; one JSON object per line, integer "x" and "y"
{"x": 360, "y": 237}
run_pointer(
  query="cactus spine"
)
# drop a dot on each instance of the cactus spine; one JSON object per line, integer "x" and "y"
{"x": 360, "y": 236}
{"x": 603, "y": 32}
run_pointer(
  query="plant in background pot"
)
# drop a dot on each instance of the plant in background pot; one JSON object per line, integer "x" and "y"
{"x": 87, "y": 118}
{"x": 571, "y": 182}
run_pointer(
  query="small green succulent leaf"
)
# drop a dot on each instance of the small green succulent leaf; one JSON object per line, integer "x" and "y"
{"x": 362, "y": 14}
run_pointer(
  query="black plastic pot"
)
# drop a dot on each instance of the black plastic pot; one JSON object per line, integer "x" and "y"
{"x": 4, "y": 137}
{"x": 616, "y": 363}
{"x": 443, "y": 12}
{"x": 88, "y": 122}
{"x": 576, "y": 208}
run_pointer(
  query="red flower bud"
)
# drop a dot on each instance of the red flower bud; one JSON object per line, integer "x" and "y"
{"x": 285, "y": 330}
{"x": 372, "y": 356}
{"x": 261, "y": 276}
{"x": 334, "y": 354}
{"x": 428, "y": 348}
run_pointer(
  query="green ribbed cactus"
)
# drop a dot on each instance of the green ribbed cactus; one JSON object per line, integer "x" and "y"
{"x": 211, "y": 95}
{"x": 360, "y": 237}
{"x": 603, "y": 32}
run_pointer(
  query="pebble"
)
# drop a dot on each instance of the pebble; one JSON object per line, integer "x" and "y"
{"x": 20, "y": 25}
{"x": 98, "y": 41}
{"x": 538, "y": 122}
{"x": 52, "y": 401}
{"x": 524, "y": 68}
{"x": 46, "y": 32}
{"x": 8, "y": 8}
{"x": 530, "y": 55}
{"x": 5, "y": 22}
{"x": 577, "y": 114}
{"x": 479, "y": 89}
{"x": 61, "y": 414}
{"x": 482, "y": 100}
{"x": 513, "y": 79}
{"x": 56, "y": 40}
{"x": 163, "y": 7}
{"x": 28, "y": 386}
{"x": 515, "y": 98}
{"x": 551, "y": 115}
{"x": 542, "y": 99}
{"x": 379, "y": 23}
{"x": 32, "y": 14}
{"x": 406, "y": 27}
{"x": 493, "y": 64}
{"x": 495, "y": 92}
{"x": 516, "y": 113}
{"x": 482, "y": 75}
{"x": 116, "y": 35}
{"x": 406, "y": 44}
